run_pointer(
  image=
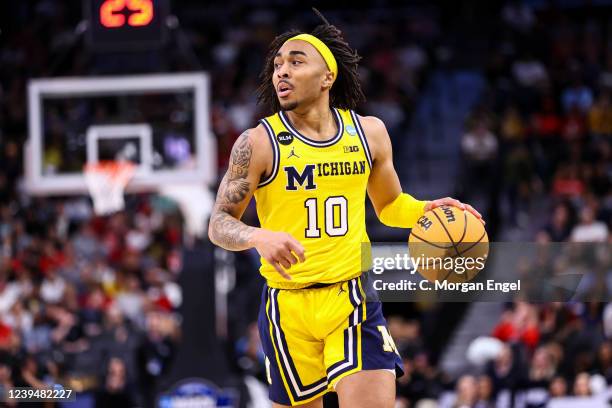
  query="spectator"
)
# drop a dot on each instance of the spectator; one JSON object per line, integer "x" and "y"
{"x": 6, "y": 382}
{"x": 31, "y": 374}
{"x": 467, "y": 392}
{"x": 479, "y": 145}
{"x": 513, "y": 128}
{"x": 156, "y": 351}
{"x": 53, "y": 287}
{"x": 604, "y": 360}
{"x": 559, "y": 227}
{"x": 519, "y": 16}
{"x": 567, "y": 182}
{"x": 9, "y": 294}
{"x": 529, "y": 72}
{"x": 600, "y": 116}
{"x": 521, "y": 182}
{"x": 578, "y": 95}
{"x": 600, "y": 182}
{"x": 582, "y": 388}
{"x": 574, "y": 126}
{"x": 547, "y": 123}
{"x": 519, "y": 324}
{"x": 422, "y": 381}
{"x": 485, "y": 392}
{"x": 504, "y": 371}
{"x": 541, "y": 368}
{"x": 589, "y": 229}
{"x": 114, "y": 391}
{"x": 558, "y": 387}
{"x": 131, "y": 300}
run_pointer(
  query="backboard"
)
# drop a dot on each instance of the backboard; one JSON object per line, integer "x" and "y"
{"x": 159, "y": 122}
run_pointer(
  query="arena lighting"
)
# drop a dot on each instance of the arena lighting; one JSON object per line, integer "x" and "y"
{"x": 123, "y": 25}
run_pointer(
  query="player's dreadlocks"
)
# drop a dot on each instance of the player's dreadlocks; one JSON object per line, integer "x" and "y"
{"x": 346, "y": 92}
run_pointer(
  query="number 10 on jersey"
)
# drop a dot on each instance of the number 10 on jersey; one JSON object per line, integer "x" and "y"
{"x": 335, "y": 213}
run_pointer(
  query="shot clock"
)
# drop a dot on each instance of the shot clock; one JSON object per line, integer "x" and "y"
{"x": 123, "y": 25}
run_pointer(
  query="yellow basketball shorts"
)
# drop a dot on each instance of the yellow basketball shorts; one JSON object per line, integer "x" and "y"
{"x": 314, "y": 337}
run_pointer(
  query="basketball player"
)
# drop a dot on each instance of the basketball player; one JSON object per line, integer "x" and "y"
{"x": 309, "y": 166}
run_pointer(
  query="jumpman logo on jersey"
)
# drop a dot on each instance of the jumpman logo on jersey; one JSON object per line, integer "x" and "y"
{"x": 292, "y": 154}
{"x": 341, "y": 289}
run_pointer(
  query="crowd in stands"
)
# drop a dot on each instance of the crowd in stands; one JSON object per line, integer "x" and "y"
{"x": 91, "y": 302}
{"x": 86, "y": 301}
{"x": 544, "y": 131}
{"x": 545, "y": 125}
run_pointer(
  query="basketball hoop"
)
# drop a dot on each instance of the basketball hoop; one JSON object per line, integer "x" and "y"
{"x": 106, "y": 181}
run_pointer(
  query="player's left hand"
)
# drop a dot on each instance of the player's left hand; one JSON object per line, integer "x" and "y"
{"x": 455, "y": 203}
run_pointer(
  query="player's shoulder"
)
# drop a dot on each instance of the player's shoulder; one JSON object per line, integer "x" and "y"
{"x": 375, "y": 131}
{"x": 256, "y": 134}
{"x": 373, "y": 126}
{"x": 257, "y": 138}
{"x": 255, "y": 143}
{"x": 371, "y": 123}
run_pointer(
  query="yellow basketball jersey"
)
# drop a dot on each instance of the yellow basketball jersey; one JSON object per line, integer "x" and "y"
{"x": 316, "y": 193}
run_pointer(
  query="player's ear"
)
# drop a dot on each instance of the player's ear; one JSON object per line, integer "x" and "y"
{"x": 328, "y": 80}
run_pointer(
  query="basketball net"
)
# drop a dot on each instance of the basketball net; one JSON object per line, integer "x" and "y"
{"x": 106, "y": 181}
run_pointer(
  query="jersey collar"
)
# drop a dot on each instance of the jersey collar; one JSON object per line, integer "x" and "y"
{"x": 312, "y": 142}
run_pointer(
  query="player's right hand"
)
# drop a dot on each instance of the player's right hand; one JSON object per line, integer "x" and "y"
{"x": 279, "y": 249}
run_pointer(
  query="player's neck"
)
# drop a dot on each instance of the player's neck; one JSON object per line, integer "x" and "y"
{"x": 316, "y": 122}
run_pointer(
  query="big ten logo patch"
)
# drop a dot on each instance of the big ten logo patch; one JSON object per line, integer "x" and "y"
{"x": 351, "y": 149}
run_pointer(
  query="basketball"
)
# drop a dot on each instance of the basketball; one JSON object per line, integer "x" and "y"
{"x": 451, "y": 244}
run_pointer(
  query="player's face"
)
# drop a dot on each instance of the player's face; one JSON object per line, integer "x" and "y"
{"x": 299, "y": 74}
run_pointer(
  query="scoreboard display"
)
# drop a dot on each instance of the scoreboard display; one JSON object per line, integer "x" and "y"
{"x": 121, "y": 25}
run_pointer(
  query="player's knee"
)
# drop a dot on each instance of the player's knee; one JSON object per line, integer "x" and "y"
{"x": 368, "y": 398}
{"x": 357, "y": 391}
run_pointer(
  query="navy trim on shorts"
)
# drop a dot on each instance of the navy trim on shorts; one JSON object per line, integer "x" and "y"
{"x": 351, "y": 358}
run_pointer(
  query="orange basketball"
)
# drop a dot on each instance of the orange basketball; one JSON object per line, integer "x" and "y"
{"x": 452, "y": 244}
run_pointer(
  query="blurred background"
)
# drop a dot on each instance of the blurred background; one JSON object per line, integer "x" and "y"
{"x": 504, "y": 105}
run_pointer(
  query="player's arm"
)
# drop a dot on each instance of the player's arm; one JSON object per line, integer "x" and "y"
{"x": 393, "y": 207}
{"x": 250, "y": 159}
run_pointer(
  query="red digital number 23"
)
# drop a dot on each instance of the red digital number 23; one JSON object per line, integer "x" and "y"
{"x": 142, "y": 13}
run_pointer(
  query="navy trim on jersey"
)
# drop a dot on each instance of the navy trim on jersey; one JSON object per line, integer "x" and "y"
{"x": 312, "y": 142}
{"x": 362, "y": 137}
{"x": 275, "y": 155}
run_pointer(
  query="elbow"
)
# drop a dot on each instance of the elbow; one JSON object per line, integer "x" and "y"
{"x": 211, "y": 237}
